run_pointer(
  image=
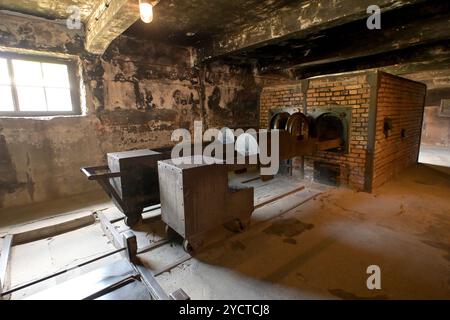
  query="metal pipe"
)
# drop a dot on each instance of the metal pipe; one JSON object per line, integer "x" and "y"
{"x": 150, "y": 282}
{"x": 152, "y": 208}
{"x": 173, "y": 265}
{"x": 152, "y": 246}
{"x": 262, "y": 204}
{"x": 146, "y": 210}
{"x": 111, "y": 287}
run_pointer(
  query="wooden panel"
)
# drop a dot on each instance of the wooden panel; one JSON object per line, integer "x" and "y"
{"x": 204, "y": 197}
{"x": 171, "y": 196}
{"x": 53, "y": 230}
{"x": 108, "y": 22}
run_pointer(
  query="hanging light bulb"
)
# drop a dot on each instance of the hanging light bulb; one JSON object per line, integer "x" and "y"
{"x": 146, "y": 10}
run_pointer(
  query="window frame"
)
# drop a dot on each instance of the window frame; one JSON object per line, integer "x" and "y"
{"x": 74, "y": 82}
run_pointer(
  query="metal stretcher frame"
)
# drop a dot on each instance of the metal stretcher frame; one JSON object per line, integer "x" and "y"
{"x": 125, "y": 243}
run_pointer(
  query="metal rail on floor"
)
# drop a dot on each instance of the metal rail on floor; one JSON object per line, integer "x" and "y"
{"x": 273, "y": 199}
{"x": 58, "y": 273}
{"x": 125, "y": 243}
{"x": 146, "y": 210}
{"x": 148, "y": 277}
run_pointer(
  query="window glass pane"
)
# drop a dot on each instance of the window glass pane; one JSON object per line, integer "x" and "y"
{"x": 59, "y": 99}
{"x": 56, "y": 75}
{"x": 27, "y": 73}
{"x": 31, "y": 99}
{"x": 6, "y": 99}
{"x": 4, "y": 73}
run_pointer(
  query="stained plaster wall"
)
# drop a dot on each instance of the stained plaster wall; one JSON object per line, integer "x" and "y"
{"x": 436, "y": 128}
{"x": 135, "y": 95}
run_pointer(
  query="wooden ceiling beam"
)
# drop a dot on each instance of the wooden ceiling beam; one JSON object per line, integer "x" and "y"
{"x": 299, "y": 22}
{"x": 401, "y": 29}
{"x": 109, "y": 19}
{"x": 404, "y": 61}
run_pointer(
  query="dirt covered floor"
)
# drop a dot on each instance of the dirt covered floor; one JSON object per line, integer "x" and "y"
{"x": 312, "y": 244}
{"x": 439, "y": 156}
{"x": 322, "y": 248}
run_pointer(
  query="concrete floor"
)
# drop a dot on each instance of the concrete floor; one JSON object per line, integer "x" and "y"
{"x": 322, "y": 248}
{"x": 439, "y": 156}
{"x": 38, "y": 211}
{"x": 314, "y": 244}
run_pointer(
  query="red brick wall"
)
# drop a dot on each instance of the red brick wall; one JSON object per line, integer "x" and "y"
{"x": 354, "y": 91}
{"x": 280, "y": 96}
{"x": 402, "y": 101}
{"x": 343, "y": 90}
{"x": 398, "y": 98}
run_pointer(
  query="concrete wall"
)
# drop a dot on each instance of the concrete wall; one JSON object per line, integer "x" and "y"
{"x": 135, "y": 95}
{"x": 436, "y": 128}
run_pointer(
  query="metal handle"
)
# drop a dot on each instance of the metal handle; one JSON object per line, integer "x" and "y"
{"x": 91, "y": 173}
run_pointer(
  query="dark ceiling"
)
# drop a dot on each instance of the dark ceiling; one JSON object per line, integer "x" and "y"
{"x": 417, "y": 31}
{"x": 406, "y": 33}
{"x": 174, "y": 19}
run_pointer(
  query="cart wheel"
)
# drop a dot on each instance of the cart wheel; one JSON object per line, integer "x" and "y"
{"x": 241, "y": 226}
{"x": 187, "y": 247}
{"x": 170, "y": 233}
{"x": 236, "y": 226}
{"x": 132, "y": 220}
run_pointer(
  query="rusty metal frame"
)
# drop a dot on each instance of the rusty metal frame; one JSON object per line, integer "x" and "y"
{"x": 125, "y": 243}
{"x": 130, "y": 246}
{"x": 103, "y": 180}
